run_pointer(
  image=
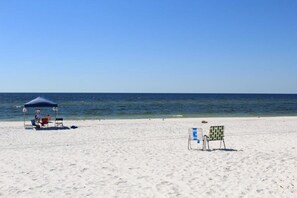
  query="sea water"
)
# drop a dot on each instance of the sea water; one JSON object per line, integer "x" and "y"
{"x": 126, "y": 105}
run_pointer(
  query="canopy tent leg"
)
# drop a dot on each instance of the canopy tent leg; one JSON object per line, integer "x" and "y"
{"x": 24, "y": 119}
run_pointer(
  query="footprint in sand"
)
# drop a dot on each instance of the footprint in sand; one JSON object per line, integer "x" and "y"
{"x": 168, "y": 188}
{"x": 142, "y": 177}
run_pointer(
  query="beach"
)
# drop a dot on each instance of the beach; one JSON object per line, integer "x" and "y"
{"x": 149, "y": 158}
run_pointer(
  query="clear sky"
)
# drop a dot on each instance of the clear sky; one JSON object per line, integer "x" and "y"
{"x": 246, "y": 46}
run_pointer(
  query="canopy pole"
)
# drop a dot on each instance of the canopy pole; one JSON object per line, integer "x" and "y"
{"x": 24, "y": 113}
{"x": 24, "y": 119}
{"x": 55, "y": 118}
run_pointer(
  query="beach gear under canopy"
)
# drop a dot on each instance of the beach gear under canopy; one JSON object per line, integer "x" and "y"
{"x": 41, "y": 102}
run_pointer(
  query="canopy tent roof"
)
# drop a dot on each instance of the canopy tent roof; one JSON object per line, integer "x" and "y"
{"x": 41, "y": 102}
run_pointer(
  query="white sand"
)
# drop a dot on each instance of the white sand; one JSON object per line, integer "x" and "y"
{"x": 149, "y": 158}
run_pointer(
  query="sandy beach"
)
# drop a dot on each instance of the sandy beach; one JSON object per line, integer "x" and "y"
{"x": 149, "y": 158}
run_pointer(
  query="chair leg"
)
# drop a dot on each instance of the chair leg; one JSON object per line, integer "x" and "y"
{"x": 220, "y": 143}
{"x": 208, "y": 144}
{"x": 203, "y": 144}
{"x": 188, "y": 144}
{"x": 224, "y": 143}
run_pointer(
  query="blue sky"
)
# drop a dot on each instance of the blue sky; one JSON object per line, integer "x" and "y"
{"x": 189, "y": 46}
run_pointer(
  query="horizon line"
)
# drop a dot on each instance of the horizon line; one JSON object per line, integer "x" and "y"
{"x": 243, "y": 93}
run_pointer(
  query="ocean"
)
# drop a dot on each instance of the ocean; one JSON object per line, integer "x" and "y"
{"x": 132, "y": 105}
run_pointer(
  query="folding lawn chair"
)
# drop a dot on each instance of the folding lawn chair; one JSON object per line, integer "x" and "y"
{"x": 216, "y": 133}
{"x": 195, "y": 134}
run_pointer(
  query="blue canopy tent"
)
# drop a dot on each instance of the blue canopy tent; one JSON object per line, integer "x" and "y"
{"x": 40, "y": 102}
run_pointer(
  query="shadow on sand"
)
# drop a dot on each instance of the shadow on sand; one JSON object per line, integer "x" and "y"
{"x": 211, "y": 150}
{"x": 229, "y": 150}
{"x": 52, "y": 128}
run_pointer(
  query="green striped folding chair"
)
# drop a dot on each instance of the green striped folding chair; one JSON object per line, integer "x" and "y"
{"x": 216, "y": 133}
{"x": 195, "y": 134}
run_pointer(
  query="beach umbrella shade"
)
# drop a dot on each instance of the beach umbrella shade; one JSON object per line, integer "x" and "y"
{"x": 41, "y": 102}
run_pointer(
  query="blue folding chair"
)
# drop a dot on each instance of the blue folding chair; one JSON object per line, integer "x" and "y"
{"x": 35, "y": 124}
{"x": 195, "y": 134}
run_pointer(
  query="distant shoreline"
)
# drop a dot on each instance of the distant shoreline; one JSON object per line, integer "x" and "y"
{"x": 160, "y": 118}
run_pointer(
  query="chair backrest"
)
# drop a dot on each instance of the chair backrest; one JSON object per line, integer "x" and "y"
{"x": 59, "y": 119}
{"x": 33, "y": 122}
{"x": 216, "y": 133}
{"x": 196, "y": 134}
{"x": 44, "y": 120}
